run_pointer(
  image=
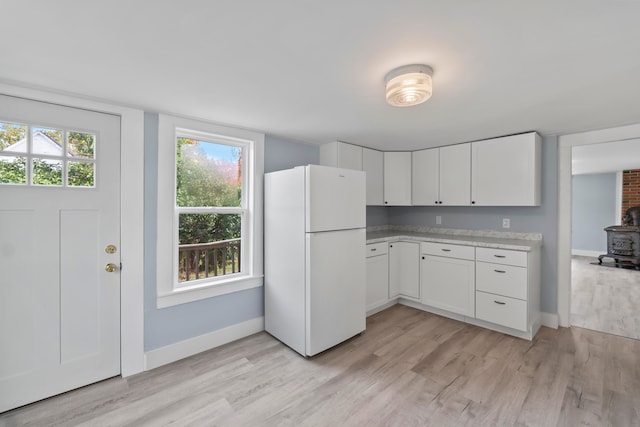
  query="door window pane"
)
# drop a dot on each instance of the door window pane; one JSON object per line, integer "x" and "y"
{"x": 47, "y": 172}
{"x": 209, "y": 245}
{"x": 80, "y": 174}
{"x": 13, "y": 170}
{"x": 81, "y": 144}
{"x": 13, "y": 137}
{"x": 47, "y": 141}
{"x": 208, "y": 174}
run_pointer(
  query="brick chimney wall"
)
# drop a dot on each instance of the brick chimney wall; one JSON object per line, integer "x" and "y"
{"x": 630, "y": 189}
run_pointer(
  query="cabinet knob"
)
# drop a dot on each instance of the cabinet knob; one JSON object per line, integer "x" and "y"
{"x": 473, "y": 202}
{"x": 422, "y": 257}
{"x": 385, "y": 202}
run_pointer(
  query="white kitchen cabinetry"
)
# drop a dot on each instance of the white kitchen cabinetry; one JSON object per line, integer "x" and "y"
{"x": 506, "y": 171}
{"x": 442, "y": 176}
{"x": 373, "y": 165}
{"x": 377, "y": 275}
{"x": 341, "y": 155}
{"x": 404, "y": 270}
{"x": 508, "y": 288}
{"x": 447, "y": 277}
{"x": 397, "y": 178}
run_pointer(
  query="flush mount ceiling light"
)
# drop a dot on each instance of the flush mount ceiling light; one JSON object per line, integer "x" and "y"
{"x": 409, "y": 85}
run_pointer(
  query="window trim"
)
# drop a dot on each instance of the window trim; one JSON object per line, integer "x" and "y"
{"x": 169, "y": 291}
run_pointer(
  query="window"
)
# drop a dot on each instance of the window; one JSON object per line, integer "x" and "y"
{"x": 209, "y": 230}
{"x": 41, "y": 156}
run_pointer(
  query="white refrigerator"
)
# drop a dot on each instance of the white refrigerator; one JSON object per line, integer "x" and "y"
{"x": 314, "y": 224}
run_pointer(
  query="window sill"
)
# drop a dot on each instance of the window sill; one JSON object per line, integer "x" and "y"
{"x": 199, "y": 292}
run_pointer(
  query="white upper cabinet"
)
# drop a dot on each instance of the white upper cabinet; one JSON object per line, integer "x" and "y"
{"x": 506, "y": 171}
{"x": 397, "y": 178}
{"x": 373, "y": 165}
{"x": 442, "y": 176}
{"x": 455, "y": 175}
{"x": 348, "y": 156}
{"x": 425, "y": 170}
{"x": 341, "y": 155}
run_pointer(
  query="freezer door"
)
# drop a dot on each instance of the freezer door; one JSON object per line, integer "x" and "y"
{"x": 335, "y": 285}
{"x": 336, "y": 199}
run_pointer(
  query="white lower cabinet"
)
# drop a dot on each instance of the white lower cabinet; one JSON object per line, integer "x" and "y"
{"x": 492, "y": 288}
{"x": 377, "y": 275}
{"x": 508, "y": 288}
{"x": 446, "y": 282}
{"x": 404, "y": 270}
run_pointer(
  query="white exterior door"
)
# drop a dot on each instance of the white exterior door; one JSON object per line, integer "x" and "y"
{"x": 59, "y": 210}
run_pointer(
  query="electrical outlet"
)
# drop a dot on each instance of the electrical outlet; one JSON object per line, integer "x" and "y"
{"x": 438, "y": 220}
{"x": 506, "y": 223}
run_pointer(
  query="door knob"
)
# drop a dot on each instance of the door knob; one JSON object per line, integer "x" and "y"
{"x": 110, "y": 268}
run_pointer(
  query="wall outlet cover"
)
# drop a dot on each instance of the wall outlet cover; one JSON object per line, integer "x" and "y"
{"x": 438, "y": 220}
{"x": 506, "y": 223}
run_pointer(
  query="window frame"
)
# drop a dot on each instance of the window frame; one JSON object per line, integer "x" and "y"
{"x": 169, "y": 290}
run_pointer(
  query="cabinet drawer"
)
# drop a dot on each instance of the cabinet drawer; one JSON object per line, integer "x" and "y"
{"x": 374, "y": 249}
{"x": 502, "y": 279}
{"x": 509, "y": 312}
{"x": 447, "y": 250}
{"x": 502, "y": 256}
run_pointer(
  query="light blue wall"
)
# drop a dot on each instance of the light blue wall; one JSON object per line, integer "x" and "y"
{"x": 180, "y": 322}
{"x": 282, "y": 154}
{"x": 539, "y": 219}
{"x": 593, "y": 207}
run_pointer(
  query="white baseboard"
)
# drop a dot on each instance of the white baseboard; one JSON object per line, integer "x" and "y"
{"x": 581, "y": 252}
{"x": 550, "y": 320}
{"x": 173, "y": 352}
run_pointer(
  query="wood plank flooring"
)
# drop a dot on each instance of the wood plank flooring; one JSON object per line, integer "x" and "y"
{"x": 410, "y": 368}
{"x": 605, "y": 299}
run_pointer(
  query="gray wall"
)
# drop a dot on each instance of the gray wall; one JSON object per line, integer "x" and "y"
{"x": 539, "y": 219}
{"x": 180, "y": 322}
{"x": 593, "y": 207}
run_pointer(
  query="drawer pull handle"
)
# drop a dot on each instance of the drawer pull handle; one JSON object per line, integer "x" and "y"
{"x": 500, "y": 256}
{"x": 373, "y": 249}
{"x": 499, "y": 302}
{"x": 499, "y": 271}
{"x": 445, "y": 250}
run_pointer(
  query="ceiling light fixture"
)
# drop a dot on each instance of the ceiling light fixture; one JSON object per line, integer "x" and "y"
{"x": 409, "y": 85}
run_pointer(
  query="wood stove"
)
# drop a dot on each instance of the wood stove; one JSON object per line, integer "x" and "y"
{"x": 623, "y": 241}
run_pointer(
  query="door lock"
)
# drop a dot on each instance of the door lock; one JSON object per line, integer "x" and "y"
{"x": 110, "y": 249}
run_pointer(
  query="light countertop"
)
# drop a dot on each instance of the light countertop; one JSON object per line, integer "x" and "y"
{"x": 479, "y": 238}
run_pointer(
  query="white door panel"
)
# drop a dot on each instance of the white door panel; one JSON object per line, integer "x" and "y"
{"x": 335, "y": 199}
{"x": 335, "y": 288}
{"x": 59, "y": 308}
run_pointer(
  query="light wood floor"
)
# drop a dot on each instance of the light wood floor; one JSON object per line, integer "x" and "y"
{"x": 410, "y": 368}
{"x": 605, "y": 299}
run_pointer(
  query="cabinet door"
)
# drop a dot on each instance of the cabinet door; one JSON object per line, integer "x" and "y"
{"x": 377, "y": 281}
{"x": 349, "y": 156}
{"x": 425, "y": 172}
{"x": 341, "y": 155}
{"x": 455, "y": 175}
{"x": 373, "y": 165}
{"x": 506, "y": 171}
{"x": 397, "y": 178}
{"x": 448, "y": 284}
{"x": 404, "y": 269}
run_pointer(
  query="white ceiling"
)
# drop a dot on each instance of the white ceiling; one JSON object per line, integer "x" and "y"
{"x": 314, "y": 70}
{"x": 606, "y": 157}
